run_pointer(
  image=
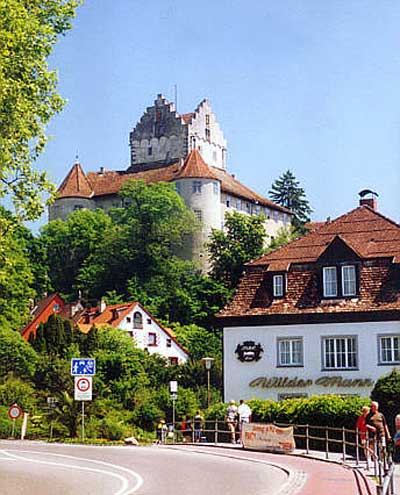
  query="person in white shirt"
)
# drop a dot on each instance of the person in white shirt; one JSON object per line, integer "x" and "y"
{"x": 244, "y": 413}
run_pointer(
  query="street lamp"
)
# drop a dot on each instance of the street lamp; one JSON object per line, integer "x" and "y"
{"x": 173, "y": 389}
{"x": 208, "y": 361}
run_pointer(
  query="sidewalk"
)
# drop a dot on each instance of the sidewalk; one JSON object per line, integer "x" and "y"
{"x": 340, "y": 479}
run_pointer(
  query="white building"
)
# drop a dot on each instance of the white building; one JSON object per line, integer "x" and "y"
{"x": 144, "y": 329}
{"x": 188, "y": 150}
{"x": 319, "y": 315}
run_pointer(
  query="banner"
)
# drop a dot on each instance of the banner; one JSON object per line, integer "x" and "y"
{"x": 268, "y": 437}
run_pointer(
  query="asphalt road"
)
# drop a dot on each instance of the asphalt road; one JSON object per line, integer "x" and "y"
{"x": 42, "y": 469}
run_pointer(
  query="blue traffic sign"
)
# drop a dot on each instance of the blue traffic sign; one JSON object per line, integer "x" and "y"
{"x": 83, "y": 366}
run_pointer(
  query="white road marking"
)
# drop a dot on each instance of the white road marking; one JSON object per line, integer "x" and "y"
{"x": 125, "y": 490}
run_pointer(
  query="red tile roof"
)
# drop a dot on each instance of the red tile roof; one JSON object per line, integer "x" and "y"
{"x": 113, "y": 316}
{"x": 76, "y": 184}
{"x": 373, "y": 238}
{"x": 187, "y": 117}
{"x": 366, "y": 231}
{"x": 109, "y": 182}
{"x": 195, "y": 168}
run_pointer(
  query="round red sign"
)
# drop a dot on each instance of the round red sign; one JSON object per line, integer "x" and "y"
{"x": 83, "y": 384}
{"x": 14, "y": 412}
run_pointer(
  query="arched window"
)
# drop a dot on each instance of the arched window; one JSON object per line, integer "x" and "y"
{"x": 137, "y": 320}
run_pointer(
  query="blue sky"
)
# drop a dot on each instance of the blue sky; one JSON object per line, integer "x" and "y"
{"x": 313, "y": 86}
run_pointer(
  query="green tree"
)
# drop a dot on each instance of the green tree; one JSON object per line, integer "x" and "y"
{"x": 16, "y": 355}
{"x": 241, "y": 241}
{"x": 28, "y": 94}
{"x": 387, "y": 393}
{"x": 68, "y": 244}
{"x": 199, "y": 341}
{"x": 286, "y": 191}
{"x": 283, "y": 236}
{"x": 15, "y": 274}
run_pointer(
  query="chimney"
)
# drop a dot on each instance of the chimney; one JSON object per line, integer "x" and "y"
{"x": 371, "y": 201}
{"x": 101, "y": 170}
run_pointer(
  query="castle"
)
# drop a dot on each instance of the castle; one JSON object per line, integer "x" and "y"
{"x": 186, "y": 149}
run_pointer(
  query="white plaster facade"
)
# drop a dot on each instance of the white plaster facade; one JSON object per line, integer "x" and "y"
{"x": 151, "y": 336}
{"x": 247, "y": 380}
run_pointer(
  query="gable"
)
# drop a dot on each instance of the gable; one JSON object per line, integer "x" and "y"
{"x": 337, "y": 251}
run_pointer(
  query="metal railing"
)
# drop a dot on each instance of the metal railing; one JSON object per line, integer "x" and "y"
{"x": 327, "y": 439}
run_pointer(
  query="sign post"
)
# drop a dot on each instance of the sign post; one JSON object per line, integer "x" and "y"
{"x": 14, "y": 412}
{"x": 83, "y": 369}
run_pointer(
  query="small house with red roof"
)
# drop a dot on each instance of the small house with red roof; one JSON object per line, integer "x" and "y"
{"x": 318, "y": 315}
{"x": 188, "y": 150}
{"x": 148, "y": 333}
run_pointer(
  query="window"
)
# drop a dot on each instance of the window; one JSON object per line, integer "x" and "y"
{"x": 349, "y": 280}
{"x": 228, "y": 201}
{"x": 239, "y": 204}
{"x": 208, "y": 134}
{"x": 389, "y": 352}
{"x": 137, "y": 320}
{"x": 149, "y": 150}
{"x": 257, "y": 210}
{"x": 173, "y": 361}
{"x": 248, "y": 208}
{"x": 56, "y": 307}
{"x": 277, "y": 284}
{"x": 78, "y": 207}
{"x": 290, "y": 352}
{"x": 268, "y": 213}
{"x": 158, "y": 116}
{"x": 198, "y": 214}
{"x": 128, "y": 319}
{"x": 169, "y": 342}
{"x": 214, "y": 156}
{"x": 152, "y": 340}
{"x": 149, "y": 321}
{"x": 329, "y": 276}
{"x": 196, "y": 185}
{"x": 216, "y": 188}
{"x": 207, "y": 119}
{"x": 339, "y": 281}
{"x": 340, "y": 353}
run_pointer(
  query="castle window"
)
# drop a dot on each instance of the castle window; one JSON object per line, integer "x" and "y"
{"x": 339, "y": 352}
{"x": 239, "y": 204}
{"x": 149, "y": 150}
{"x": 228, "y": 201}
{"x": 257, "y": 210}
{"x": 198, "y": 214}
{"x": 248, "y": 208}
{"x": 196, "y": 186}
{"x": 207, "y": 119}
{"x": 137, "y": 320}
{"x": 208, "y": 134}
{"x": 158, "y": 116}
{"x": 216, "y": 188}
{"x": 193, "y": 141}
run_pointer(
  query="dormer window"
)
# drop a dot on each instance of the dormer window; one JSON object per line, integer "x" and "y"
{"x": 349, "y": 286}
{"x": 339, "y": 281}
{"x": 329, "y": 275}
{"x": 278, "y": 287}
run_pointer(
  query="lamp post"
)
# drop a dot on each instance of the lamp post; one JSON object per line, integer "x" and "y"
{"x": 173, "y": 389}
{"x": 208, "y": 361}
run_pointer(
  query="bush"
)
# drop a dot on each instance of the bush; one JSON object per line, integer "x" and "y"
{"x": 387, "y": 392}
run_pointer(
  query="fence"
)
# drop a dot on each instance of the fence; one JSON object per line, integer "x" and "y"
{"x": 326, "y": 439}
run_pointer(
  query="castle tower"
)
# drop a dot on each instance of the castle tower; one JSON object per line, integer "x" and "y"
{"x": 163, "y": 136}
{"x": 200, "y": 189}
{"x": 74, "y": 193}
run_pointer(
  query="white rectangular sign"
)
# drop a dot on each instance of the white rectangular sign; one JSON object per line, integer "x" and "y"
{"x": 83, "y": 388}
{"x": 267, "y": 437}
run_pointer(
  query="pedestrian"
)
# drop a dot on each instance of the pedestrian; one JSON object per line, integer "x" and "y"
{"x": 377, "y": 427}
{"x": 198, "y": 422}
{"x": 362, "y": 428}
{"x": 244, "y": 414}
{"x": 185, "y": 428}
{"x": 231, "y": 418}
{"x": 161, "y": 430}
